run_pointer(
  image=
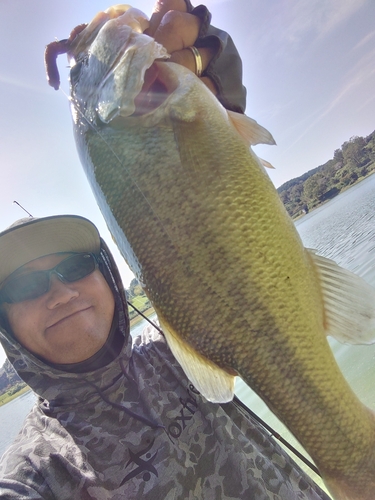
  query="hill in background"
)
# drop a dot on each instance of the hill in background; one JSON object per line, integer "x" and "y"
{"x": 10, "y": 382}
{"x": 350, "y": 163}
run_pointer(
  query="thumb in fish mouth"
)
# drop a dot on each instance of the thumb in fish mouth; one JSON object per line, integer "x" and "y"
{"x": 152, "y": 94}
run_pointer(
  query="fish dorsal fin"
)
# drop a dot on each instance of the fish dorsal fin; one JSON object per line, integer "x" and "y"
{"x": 250, "y": 131}
{"x": 215, "y": 384}
{"x": 349, "y": 303}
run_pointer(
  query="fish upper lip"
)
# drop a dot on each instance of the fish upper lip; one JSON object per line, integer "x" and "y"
{"x": 66, "y": 317}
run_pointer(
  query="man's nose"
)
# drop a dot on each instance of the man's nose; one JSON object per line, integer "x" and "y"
{"x": 60, "y": 293}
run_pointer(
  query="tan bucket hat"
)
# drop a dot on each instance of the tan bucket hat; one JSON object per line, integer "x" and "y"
{"x": 30, "y": 238}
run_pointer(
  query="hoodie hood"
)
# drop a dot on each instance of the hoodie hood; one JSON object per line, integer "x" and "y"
{"x": 60, "y": 387}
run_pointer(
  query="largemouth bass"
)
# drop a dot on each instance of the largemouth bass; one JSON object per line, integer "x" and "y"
{"x": 199, "y": 222}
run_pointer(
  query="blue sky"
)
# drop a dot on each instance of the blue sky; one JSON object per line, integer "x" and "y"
{"x": 308, "y": 68}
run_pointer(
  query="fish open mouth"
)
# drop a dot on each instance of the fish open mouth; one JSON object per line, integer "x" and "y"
{"x": 153, "y": 93}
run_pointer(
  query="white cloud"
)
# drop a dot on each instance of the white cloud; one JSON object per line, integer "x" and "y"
{"x": 316, "y": 18}
{"x": 14, "y": 82}
{"x": 358, "y": 76}
{"x": 288, "y": 28}
{"x": 365, "y": 40}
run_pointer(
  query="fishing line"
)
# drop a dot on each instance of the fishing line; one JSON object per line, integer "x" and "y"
{"x": 24, "y": 209}
{"x": 118, "y": 160}
{"x": 146, "y": 318}
{"x": 275, "y": 434}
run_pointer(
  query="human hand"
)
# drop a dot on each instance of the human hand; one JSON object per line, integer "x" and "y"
{"x": 177, "y": 30}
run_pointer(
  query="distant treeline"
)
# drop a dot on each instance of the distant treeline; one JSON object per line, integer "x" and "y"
{"x": 350, "y": 163}
{"x": 136, "y": 296}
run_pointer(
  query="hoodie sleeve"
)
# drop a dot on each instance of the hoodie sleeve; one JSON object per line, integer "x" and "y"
{"x": 11, "y": 490}
{"x": 18, "y": 477}
{"x": 225, "y": 69}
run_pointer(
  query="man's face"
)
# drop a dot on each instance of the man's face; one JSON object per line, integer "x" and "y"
{"x": 67, "y": 324}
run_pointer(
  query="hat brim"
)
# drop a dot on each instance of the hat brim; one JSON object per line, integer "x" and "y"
{"x": 31, "y": 238}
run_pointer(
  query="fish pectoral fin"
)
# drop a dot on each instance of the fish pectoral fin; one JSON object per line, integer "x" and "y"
{"x": 250, "y": 131}
{"x": 215, "y": 384}
{"x": 349, "y": 303}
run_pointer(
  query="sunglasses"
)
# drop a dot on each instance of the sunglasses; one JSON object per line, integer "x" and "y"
{"x": 32, "y": 285}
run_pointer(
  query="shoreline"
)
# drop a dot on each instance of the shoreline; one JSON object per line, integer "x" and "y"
{"x": 358, "y": 181}
{"x": 5, "y": 398}
{"x": 137, "y": 319}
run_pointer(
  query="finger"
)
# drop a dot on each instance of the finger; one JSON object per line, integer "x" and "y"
{"x": 177, "y": 30}
{"x": 160, "y": 9}
{"x": 186, "y": 58}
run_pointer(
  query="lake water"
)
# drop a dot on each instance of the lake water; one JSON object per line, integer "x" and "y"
{"x": 12, "y": 416}
{"x": 342, "y": 229}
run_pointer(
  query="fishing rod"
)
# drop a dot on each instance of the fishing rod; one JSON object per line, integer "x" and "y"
{"x": 24, "y": 209}
{"x": 275, "y": 434}
{"x": 237, "y": 401}
{"x": 146, "y": 318}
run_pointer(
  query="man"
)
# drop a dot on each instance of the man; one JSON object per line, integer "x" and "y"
{"x": 114, "y": 421}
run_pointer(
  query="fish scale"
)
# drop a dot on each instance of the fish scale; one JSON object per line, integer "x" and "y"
{"x": 202, "y": 227}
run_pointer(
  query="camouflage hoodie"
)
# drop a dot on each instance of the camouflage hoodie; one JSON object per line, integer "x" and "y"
{"x": 137, "y": 428}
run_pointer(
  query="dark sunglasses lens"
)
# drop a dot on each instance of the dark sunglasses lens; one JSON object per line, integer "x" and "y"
{"x": 27, "y": 287}
{"x": 33, "y": 285}
{"x": 76, "y": 267}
